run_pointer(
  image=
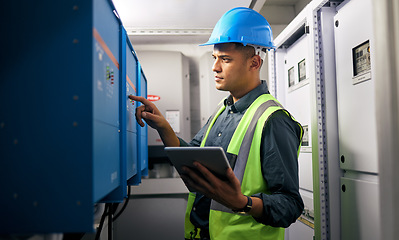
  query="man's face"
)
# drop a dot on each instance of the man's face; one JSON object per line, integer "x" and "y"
{"x": 231, "y": 67}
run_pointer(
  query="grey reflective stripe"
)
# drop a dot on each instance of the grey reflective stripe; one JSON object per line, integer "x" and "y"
{"x": 247, "y": 141}
{"x": 245, "y": 147}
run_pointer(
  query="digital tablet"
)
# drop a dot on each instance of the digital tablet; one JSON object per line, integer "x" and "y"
{"x": 212, "y": 158}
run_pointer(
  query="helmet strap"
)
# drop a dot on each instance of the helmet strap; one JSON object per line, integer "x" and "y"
{"x": 259, "y": 51}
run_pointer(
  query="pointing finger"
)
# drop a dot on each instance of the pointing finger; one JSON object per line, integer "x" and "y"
{"x": 140, "y": 99}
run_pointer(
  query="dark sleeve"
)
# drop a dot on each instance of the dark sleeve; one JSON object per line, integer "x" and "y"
{"x": 196, "y": 141}
{"x": 281, "y": 138}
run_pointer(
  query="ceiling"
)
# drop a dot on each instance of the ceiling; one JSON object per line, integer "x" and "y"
{"x": 192, "y": 21}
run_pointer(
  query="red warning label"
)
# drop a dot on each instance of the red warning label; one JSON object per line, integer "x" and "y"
{"x": 153, "y": 98}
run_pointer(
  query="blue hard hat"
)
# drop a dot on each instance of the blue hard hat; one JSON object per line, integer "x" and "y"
{"x": 242, "y": 25}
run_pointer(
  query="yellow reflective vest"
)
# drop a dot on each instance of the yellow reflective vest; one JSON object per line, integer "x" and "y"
{"x": 245, "y": 144}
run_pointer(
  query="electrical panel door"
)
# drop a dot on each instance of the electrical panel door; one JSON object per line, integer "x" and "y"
{"x": 354, "y": 44}
{"x": 355, "y": 87}
{"x": 131, "y": 124}
{"x": 143, "y": 131}
{"x": 297, "y": 102}
{"x": 293, "y": 91}
{"x": 360, "y": 216}
{"x": 106, "y": 82}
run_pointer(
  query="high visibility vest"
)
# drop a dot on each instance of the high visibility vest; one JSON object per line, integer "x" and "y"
{"x": 245, "y": 145}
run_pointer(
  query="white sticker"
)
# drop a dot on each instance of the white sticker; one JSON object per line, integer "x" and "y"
{"x": 114, "y": 176}
{"x": 173, "y": 117}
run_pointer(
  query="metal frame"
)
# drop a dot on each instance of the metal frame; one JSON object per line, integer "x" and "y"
{"x": 321, "y": 151}
{"x": 320, "y": 167}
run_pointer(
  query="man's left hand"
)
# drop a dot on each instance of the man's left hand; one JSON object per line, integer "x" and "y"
{"x": 226, "y": 192}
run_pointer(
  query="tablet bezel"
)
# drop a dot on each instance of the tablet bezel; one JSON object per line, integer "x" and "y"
{"x": 213, "y": 158}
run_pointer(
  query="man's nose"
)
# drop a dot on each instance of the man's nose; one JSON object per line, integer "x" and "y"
{"x": 216, "y": 66}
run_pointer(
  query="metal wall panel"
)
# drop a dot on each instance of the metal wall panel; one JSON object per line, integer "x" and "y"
{"x": 169, "y": 76}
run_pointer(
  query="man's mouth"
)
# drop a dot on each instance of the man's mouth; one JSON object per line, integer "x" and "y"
{"x": 217, "y": 78}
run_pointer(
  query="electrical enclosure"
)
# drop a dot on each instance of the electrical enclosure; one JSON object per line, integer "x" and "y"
{"x": 143, "y": 131}
{"x": 65, "y": 142}
{"x": 354, "y": 44}
{"x": 323, "y": 73}
{"x": 169, "y": 88}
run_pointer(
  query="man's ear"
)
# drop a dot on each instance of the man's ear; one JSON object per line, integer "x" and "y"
{"x": 256, "y": 62}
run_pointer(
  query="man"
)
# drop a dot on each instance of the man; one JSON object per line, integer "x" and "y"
{"x": 260, "y": 138}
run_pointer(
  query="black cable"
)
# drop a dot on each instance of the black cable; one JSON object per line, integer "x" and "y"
{"x": 124, "y": 205}
{"x": 109, "y": 210}
{"x": 100, "y": 227}
{"x": 110, "y": 222}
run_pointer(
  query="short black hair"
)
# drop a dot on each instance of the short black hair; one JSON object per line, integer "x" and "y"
{"x": 248, "y": 51}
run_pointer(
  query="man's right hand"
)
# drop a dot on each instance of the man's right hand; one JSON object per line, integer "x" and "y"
{"x": 149, "y": 112}
{"x": 154, "y": 118}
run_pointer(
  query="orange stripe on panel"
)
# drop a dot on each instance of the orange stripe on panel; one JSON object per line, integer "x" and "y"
{"x": 130, "y": 83}
{"x": 105, "y": 47}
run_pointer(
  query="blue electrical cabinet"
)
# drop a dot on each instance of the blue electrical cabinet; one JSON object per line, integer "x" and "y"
{"x": 106, "y": 84}
{"x": 132, "y": 137}
{"x": 143, "y": 131}
{"x": 66, "y": 139}
{"x": 120, "y": 192}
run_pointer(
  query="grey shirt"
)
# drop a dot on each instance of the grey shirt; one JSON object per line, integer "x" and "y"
{"x": 280, "y": 141}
